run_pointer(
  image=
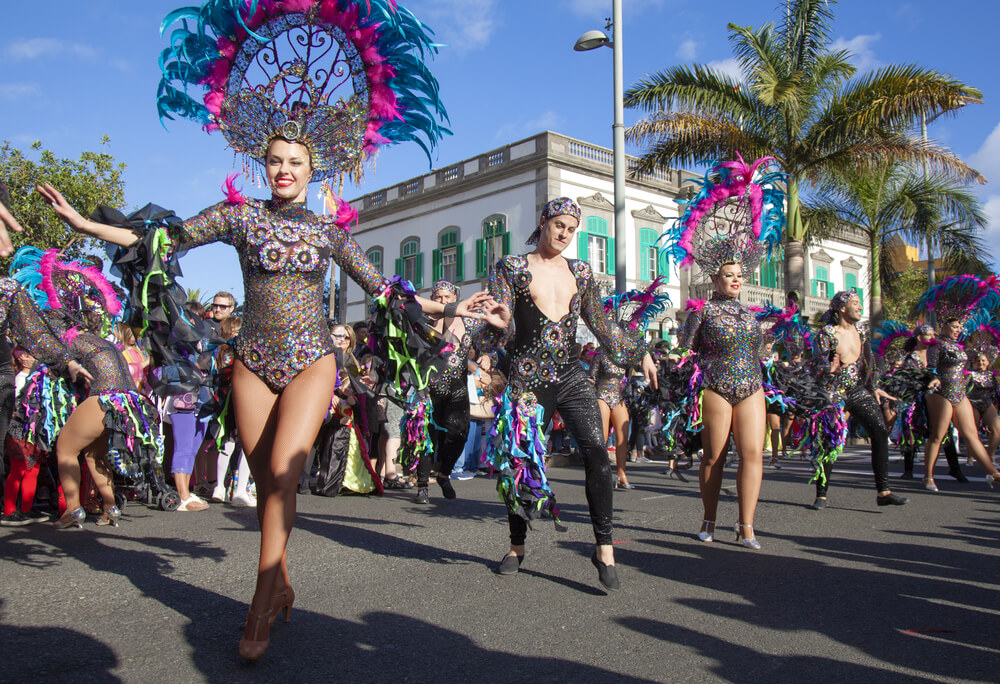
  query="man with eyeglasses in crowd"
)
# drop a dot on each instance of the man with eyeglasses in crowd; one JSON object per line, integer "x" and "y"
{"x": 222, "y": 307}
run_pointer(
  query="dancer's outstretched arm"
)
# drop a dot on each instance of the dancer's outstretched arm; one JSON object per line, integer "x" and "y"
{"x": 101, "y": 231}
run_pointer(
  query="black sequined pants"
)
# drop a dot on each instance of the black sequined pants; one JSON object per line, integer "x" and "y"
{"x": 6, "y": 411}
{"x": 451, "y": 414}
{"x": 573, "y": 396}
{"x": 861, "y": 404}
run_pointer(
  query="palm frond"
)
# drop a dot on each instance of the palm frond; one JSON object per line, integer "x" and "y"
{"x": 696, "y": 87}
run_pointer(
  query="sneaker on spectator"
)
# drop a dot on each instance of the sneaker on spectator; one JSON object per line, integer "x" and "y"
{"x": 462, "y": 475}
{"x": 15, "y": 519}
{"x": 219, "y": 495}
{"x": 192, "y": 503}
{"x": 35, "y": 515}
{"x": 243, "y": 500}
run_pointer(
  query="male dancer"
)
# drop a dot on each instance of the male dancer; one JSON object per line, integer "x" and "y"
{"x": 842, "y": 361}
{"x": 545, "y": 293}
{"x": 449, "y": 397}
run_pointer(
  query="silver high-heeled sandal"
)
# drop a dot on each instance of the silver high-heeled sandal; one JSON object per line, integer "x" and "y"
{"x": 113, "y": 514}
{"x": 992, "y": 479}
{"x": 929, "y": 485}
{"x": 742, "y": 540}
{"x": 705, "y": 535}
{"x": 75, "y": 519}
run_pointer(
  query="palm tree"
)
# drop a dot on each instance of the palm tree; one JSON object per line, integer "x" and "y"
{"x": 799, "y": 105}
{"x": 892, "y": 200}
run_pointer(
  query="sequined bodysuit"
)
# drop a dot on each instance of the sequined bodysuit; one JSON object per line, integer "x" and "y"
{"x": 23, "y": 323}
{"x": 284, "y": 250}
{"x": 105, "y": 362}
{"x": 541, "y": 350}
{"x": 544, "y": 372}
{"x": 983, "y": 392}
{"x": 849, "y": 376}
{"x": 948, "y": 359}
{"x": 727, "y": 338}
{"x": 609, "y": 380}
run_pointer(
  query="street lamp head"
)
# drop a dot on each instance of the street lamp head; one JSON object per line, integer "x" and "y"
{"x": 592, "y": 40}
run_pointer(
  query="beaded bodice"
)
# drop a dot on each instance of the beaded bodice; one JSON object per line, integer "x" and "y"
{"x": 948, "y": 359}
{"x": 542, "y": 348}
{"x": 849, "y": 376}
{"x": 727, "y": 338}
{"x": 102, "y": 360}
{"x": 284, "y": 251}
{"x": 23, "y": 323}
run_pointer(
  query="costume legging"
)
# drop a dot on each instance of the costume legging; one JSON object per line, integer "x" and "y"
{"x": 20, "y": 478}
{"x": 451, "y": 414}
{"x": 574, "y": 398}
{"x": 947, "y": 446}
{"x": 188, "y": 433}
{"x": 863, "y": 408}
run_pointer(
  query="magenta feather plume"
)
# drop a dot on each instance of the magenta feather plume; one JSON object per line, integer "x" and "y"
{"x": 50, "y": 262}
{"x": 233, "y": 194}
{"x": 694, "y": 305}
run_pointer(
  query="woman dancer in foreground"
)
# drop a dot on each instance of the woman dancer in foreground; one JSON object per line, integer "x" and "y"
{"x": 955, "y": 299}
{"x": 726, "y": 230}
{"x": 284, "y": 352}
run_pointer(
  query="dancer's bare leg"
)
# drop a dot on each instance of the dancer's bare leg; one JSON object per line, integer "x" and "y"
{"x": 277, "y": 432}
{"x": 84, "y": 426}
{"x": 620, "y": 421}
{"x": 939, "y": 412}
{"x": 748, "y": 435}
{"x": 718, "y": 420}
{"x": 962, "y": 417}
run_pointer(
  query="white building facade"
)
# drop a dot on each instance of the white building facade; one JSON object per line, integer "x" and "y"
{"x": 456, "y": 222}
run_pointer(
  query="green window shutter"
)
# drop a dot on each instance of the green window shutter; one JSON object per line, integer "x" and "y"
{"x": 597, "y": 226}
{"x": 459, "y": 262}
{"x": 861, "y": 296}
{"x": 664, "y": 265}
{"x": 850, "y": 281}
{"x": 399, "y": 267}
{"x": 581, "y": 246}
{"x": 482, "y": 268}
{"x": 449, "y": 239}
{"x": 814, "y": 287}
{"x": 609, "y": 253}
{"x": 436, "y": 270}
{"x": 830, "y": 290}
{"x": 821, "y": 273}
{"x": 506, "y": 244}
{"x": 767, "y": 275}
{"x": 420, "y": 271}
{"x": 644, "y": 273}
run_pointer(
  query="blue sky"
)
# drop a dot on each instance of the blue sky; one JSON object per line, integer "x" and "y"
{"x": 71, "y": 72}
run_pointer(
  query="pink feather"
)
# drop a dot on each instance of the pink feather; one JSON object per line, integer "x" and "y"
{"x": 233, "y": 195}
{"x": 213, "y": 102}
{"x": 346, "y": 214}
{"x": 294, "y": 6}
{"x": 694, "y": 305}
{"x": 218, "y": 74}
{"x": 227, "y": 48}
{"x": 70, "y": 335}
{"x": 50, "y": 262}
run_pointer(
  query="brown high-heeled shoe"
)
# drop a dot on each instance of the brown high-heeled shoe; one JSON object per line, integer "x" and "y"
{"x": 282, "y": 601}
{"x": 256, "y": 635}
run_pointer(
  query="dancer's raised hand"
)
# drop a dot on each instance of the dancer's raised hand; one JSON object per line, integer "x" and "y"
{"x": 64, "y": 209}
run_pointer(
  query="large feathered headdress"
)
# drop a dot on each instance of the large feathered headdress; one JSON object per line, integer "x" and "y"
{"x": 634, "y": 310}
{"x": 981, "y": 335}
{"x": 786, "y": 326}
{"x": 959, "y": 297}
{"x": 737, "y": 217}
{"x": 343, "y": 77}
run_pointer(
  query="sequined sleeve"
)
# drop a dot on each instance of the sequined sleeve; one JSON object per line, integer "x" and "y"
{"x": 214, "y": 224}
{"x": 499, "y": 286}
{"x": 349, "y": 256}
{"x": 624, "y": 350}
{"x": 26, "y": 327}
{"x": 688, "y": 336}
{"x": 933, "y": 357}
{"x": 824, "y": 344}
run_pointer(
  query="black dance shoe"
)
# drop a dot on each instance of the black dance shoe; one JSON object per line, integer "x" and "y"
{"x": 957, "y": 474}
{"x": 446, "y": 487}
{"x": 891, "y": 500}
{"x": 819, "y": 504}
{"x": 422, "y": 496}
{"x": 606, "y": 574}
{"x": 510, "y": 565}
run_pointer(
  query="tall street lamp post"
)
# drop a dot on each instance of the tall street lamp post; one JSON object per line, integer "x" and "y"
{"x": 589, "y": 41}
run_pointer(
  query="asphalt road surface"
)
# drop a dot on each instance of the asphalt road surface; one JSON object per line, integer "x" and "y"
{"x": 388, "y": 591}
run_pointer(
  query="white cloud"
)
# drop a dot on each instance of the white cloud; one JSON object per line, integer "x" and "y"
{"x": 729, "y": 66}
{"x": 18, "y": 91}
{"x": 860, "y": 48}
{"x": 546, "y": 121}
{"x": 34, "y": 48}
{"x": 991, "y": 236}
{"x": 987, "y": 159}
{"x": 463, "y": 24}
{"x": 688, "y": 50}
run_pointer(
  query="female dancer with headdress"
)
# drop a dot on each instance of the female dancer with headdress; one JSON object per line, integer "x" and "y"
{"x": 726, "y": 229}
{"x": 292, "y": 123}
{"x": 955, "y": 299}
{"x": 983, "y": 347}
{"x": 114, "y": 420}
{"x": 632, "y": 311}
